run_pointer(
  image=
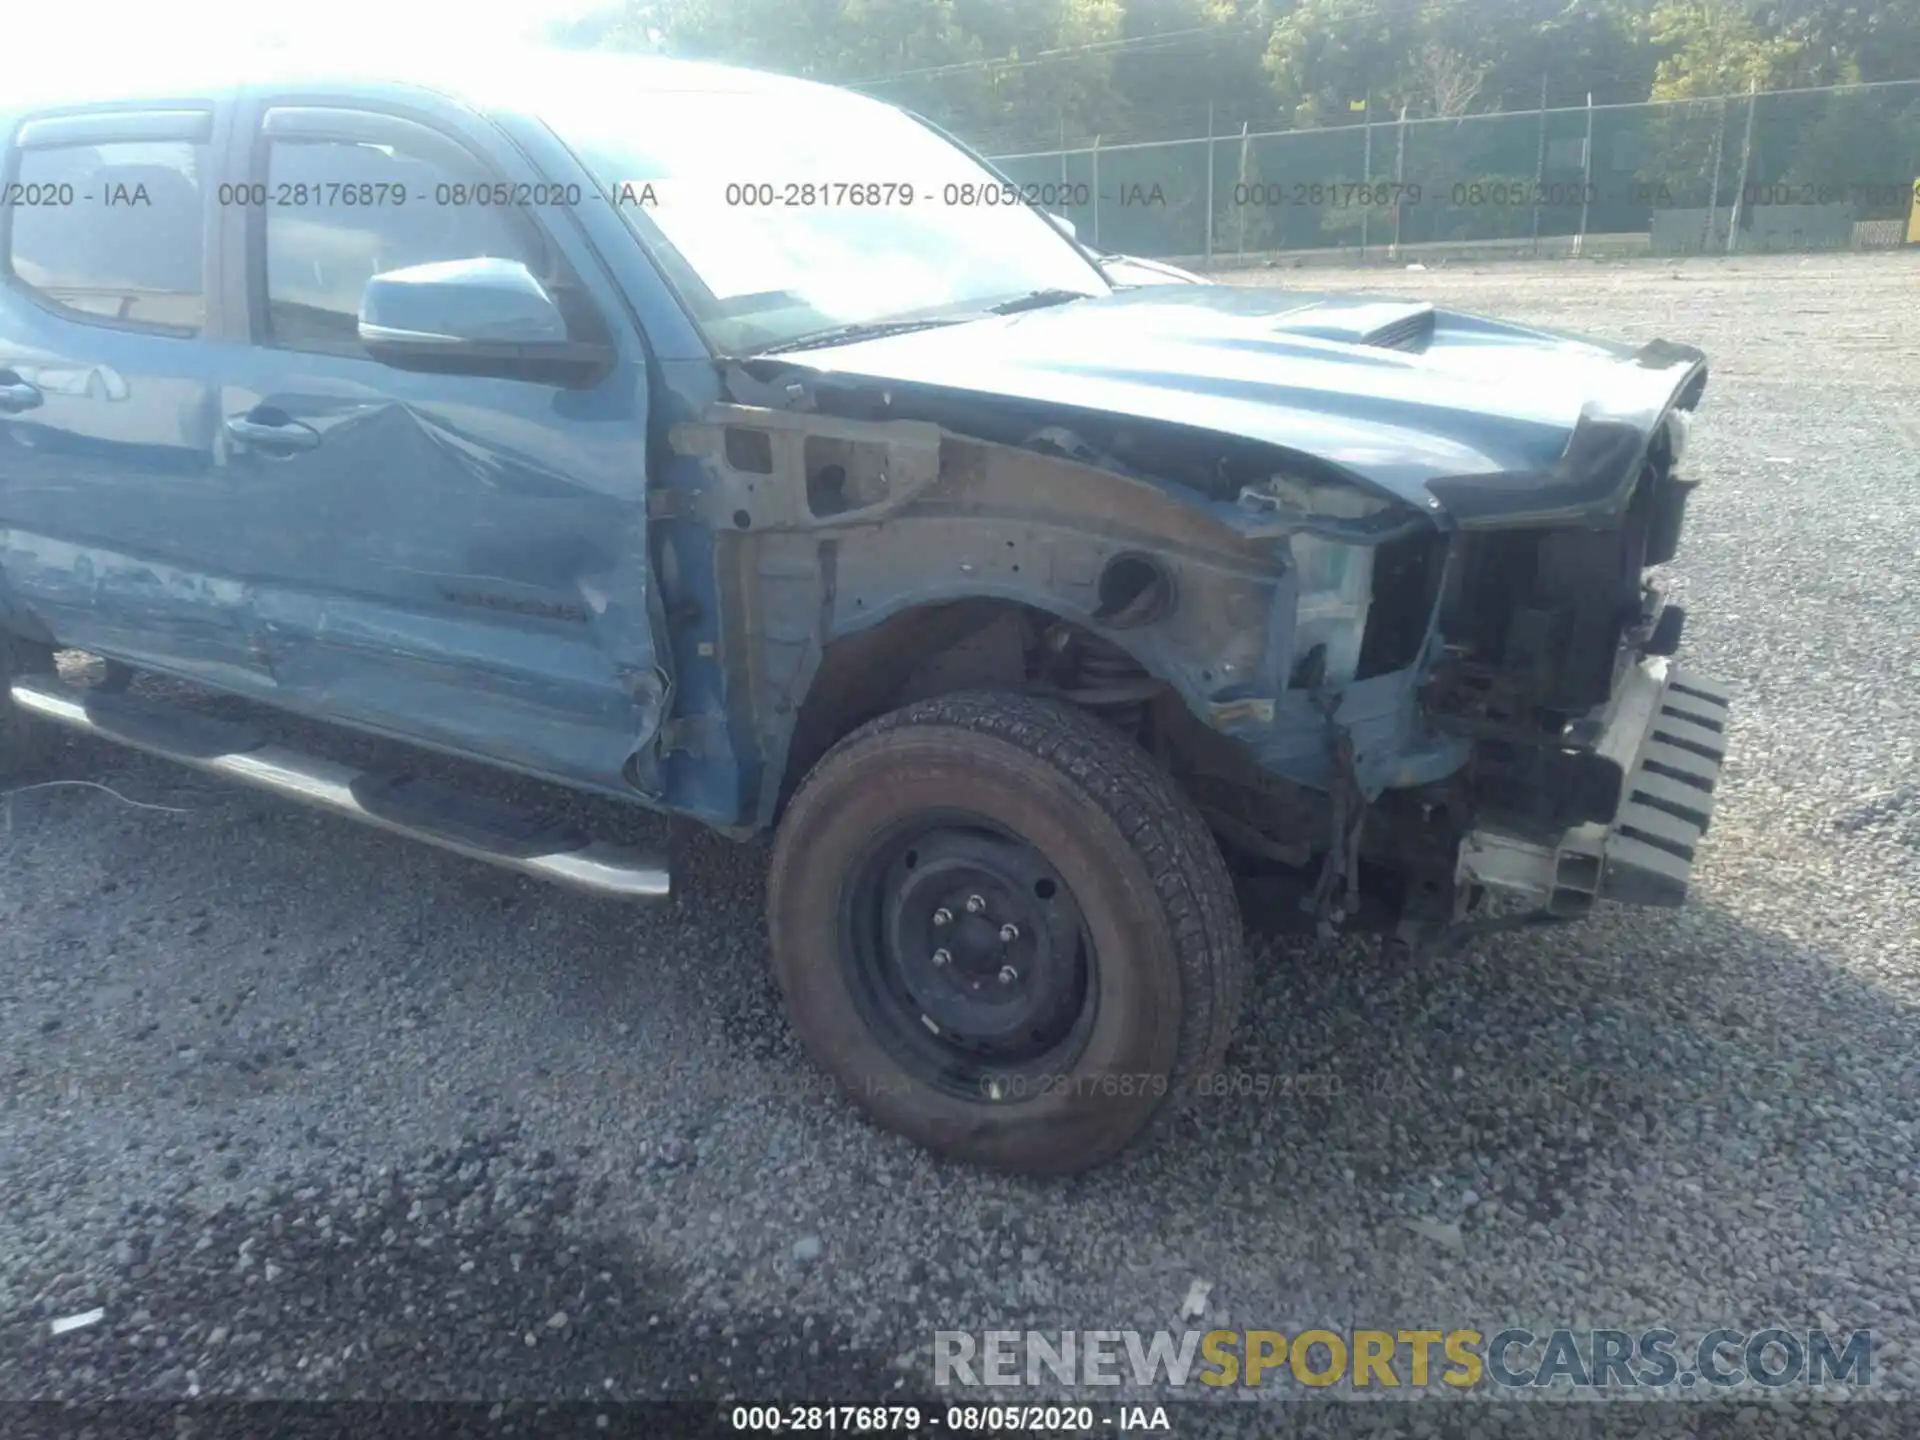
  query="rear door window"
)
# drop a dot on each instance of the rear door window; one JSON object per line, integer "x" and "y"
{"x": 114, "y": 231}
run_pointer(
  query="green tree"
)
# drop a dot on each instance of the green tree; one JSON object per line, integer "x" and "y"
{"x": 1014, "y": 75}
{"x": 1716, "y": 47}
{"x": 1864, "y": 145}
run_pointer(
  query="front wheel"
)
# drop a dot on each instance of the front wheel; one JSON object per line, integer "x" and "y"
{"x": 1004, "y": 930}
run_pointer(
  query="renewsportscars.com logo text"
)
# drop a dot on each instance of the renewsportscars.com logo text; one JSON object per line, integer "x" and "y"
{"x": 1771, "y": 1358}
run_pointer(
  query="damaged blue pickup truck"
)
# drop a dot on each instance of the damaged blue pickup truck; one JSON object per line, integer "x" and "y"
{"x": 749, "y": 450}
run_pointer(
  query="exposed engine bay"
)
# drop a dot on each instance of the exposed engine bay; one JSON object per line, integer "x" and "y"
{"x": 1392, "y": 691}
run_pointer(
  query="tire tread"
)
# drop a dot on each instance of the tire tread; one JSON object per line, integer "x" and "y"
{"x": 1156, "y": 819}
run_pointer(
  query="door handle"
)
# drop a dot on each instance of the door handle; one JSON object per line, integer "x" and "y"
{"x": 17, "y": 396}
{"x": 269, "y": 435}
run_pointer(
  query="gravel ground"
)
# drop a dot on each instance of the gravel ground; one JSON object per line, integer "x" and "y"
{"x": 311, "y": 1112}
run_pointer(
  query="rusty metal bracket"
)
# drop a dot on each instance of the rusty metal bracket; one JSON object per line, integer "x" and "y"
{"x": 1341, "y": 870}
{"x": 672, "y": 505}
{"x": 701, "y": 734}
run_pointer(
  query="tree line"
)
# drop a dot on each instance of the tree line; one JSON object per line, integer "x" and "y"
{"x": 1038, "y": 72}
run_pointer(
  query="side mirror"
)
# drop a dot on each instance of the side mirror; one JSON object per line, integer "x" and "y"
{"x": 483, "y": 316}
{"x": 1064, "y": 226}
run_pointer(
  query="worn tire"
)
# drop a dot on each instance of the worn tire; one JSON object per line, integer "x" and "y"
{"x": 26, "y": 743}
{"x": 1143, "y": 869}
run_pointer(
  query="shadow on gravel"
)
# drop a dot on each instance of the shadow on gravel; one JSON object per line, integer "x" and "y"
{"x": 1637, "y": 1060}
{"x": 475, "y": 1274}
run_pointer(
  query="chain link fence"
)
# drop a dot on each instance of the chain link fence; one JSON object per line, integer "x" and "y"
{"x": 1818, "y": 169}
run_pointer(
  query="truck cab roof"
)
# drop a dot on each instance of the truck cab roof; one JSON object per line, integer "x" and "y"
{"x": 487, "y": 79}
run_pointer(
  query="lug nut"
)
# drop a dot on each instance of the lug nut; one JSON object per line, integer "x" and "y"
{"x": 1009, "y": 934}
{"x": 975, "y": 904}
{"x": 942, "y": 957}
{"x": 1008, "y": 974}
{"x": 943, "y": 916}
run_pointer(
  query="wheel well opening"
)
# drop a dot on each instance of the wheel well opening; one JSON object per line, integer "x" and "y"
{"x": 942, "y": 649}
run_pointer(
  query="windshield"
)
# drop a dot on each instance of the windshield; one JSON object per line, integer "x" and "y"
{"x": 792, "y": 211}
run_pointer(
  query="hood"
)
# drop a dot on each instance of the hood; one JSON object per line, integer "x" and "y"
{"x": 1472, "y": 420}
{"x": 1135, "y": 270}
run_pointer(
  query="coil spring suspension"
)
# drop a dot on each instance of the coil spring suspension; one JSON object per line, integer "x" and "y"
{"x": 1111, "y": 681}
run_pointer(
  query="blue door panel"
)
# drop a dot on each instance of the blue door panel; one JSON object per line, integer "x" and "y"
{"x": 453, "y": 559}
{"x": 458, "y": 558}
{"x": 111, "y": 490}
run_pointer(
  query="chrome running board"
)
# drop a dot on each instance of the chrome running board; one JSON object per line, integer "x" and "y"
{"x": 467, "y": 824}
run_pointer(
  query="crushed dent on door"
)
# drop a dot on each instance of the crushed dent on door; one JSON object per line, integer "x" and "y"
{"x": 1390, "y": 686}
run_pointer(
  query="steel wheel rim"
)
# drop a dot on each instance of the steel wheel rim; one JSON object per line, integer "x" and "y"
{"x": 968, "y": 956}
